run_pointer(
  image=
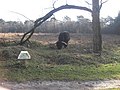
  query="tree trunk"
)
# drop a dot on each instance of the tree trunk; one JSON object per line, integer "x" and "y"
{"x": 97, "y": 38}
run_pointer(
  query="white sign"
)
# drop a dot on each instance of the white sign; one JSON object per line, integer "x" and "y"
{"x": 24, "y": 55}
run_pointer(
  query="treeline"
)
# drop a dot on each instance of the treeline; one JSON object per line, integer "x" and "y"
{"x": 112, "y": 25}
{"x": 82, "y": 25}
{"x": 51, "y": 26}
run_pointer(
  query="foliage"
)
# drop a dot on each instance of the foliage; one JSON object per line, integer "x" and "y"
{"x": 113, "y": 26}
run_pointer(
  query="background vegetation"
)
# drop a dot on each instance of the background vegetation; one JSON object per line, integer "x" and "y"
{"x": 109, "y": 25}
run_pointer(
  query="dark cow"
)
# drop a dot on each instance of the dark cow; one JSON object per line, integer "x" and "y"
{"x": 63, "y": 39}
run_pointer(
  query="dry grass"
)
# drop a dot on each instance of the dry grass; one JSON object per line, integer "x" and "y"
{"x": 48, "y": 38}
{"x": 79, "y": 40}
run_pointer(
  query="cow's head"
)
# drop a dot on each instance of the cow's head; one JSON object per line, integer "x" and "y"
{"x": 61, "y": 44}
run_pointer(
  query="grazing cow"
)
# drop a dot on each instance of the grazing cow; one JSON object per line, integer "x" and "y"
{"x": 63, "y": 39}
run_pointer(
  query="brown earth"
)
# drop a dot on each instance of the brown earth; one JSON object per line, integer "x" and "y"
{"x": 61, "y": 85}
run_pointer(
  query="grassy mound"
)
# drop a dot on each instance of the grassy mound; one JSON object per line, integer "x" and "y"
{"x": 72, "y": 63}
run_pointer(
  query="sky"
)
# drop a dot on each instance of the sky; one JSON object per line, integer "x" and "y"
{"x": 34, "y": 9}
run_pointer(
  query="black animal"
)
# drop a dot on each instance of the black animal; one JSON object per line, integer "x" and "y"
{"x": 63, "y": 39}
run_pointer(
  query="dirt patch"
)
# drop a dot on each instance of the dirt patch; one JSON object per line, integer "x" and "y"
{"x": 61, "y": 85}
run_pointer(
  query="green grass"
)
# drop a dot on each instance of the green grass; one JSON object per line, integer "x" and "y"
{"x": 69, "y": 64}
{"x": 66, "y": 72}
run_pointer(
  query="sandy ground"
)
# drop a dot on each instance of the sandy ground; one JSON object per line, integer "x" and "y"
{"x": 61, "y": 85}
{"x": 2, "y": 88}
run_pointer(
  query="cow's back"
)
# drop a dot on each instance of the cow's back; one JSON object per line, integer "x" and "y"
{"x": 64, "y": 36}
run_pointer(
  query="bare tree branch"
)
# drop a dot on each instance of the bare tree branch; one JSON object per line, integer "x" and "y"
{"x": 48, "y": 15}
{"x": 54, "y": 3}
{"x": 66, "y": 2}
{"x": 101, "y": 3}
{"x": 88, "y": 2}
{"x": 39, "y": 21}
{"x": 21, "y": 15}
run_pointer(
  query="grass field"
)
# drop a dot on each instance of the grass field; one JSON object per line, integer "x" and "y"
{"x": 76, "y": 62}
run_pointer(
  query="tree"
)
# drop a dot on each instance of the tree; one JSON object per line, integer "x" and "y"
{"x": 2, "y": 22}
{"x": 66, "y": 19}
{"x": 83, "y": 24}
{"x": 114, "y": 26}
{"x": 97, "y": 39}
